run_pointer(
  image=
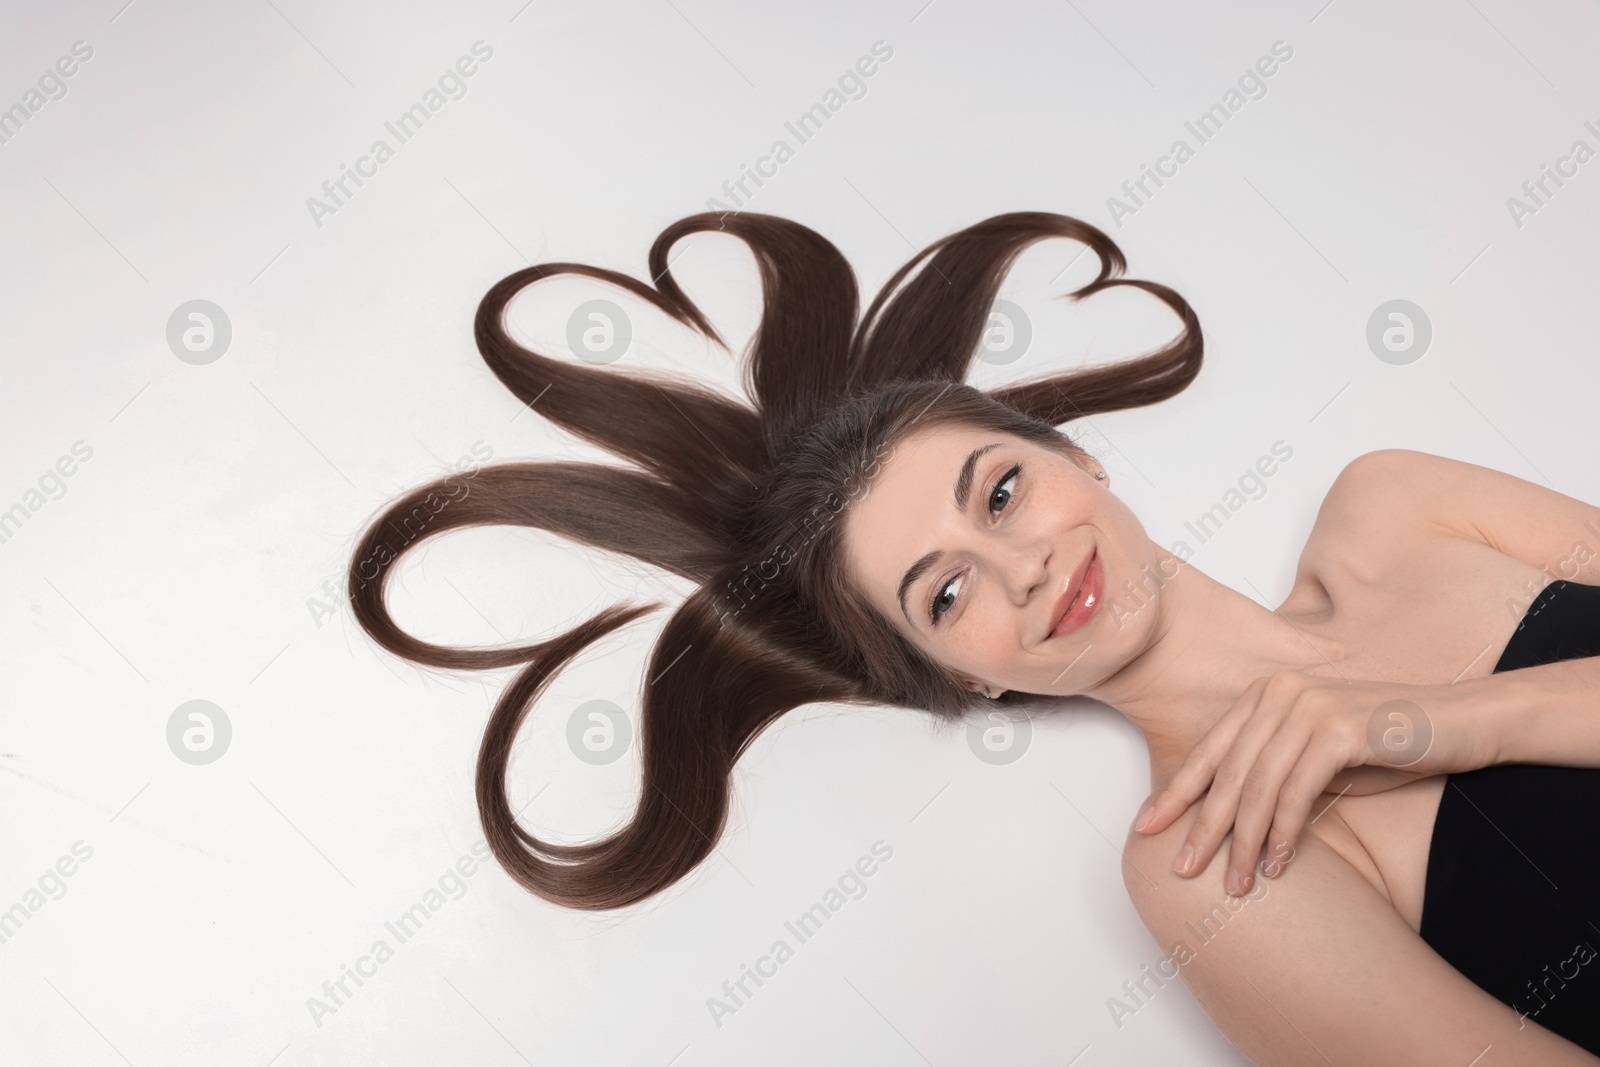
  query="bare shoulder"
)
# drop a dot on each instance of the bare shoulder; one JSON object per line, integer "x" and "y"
{"x": 1386, "y": 504}
{"x": 1314, "y": 966}
{"x": 1373, "y": 513}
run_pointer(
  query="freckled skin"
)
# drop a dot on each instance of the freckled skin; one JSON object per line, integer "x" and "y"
{"x": 1168, "y": 646}
{"x": 1010, "y": 563}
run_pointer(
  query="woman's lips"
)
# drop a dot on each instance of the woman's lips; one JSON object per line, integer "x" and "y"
{"x": 1087, "y": 599}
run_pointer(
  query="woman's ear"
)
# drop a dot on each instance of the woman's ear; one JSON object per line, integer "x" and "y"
{"x": 1092, "y": 467}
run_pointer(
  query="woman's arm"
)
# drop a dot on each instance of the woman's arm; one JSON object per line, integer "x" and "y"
{"x": 1315, "y": 967}
{"x": 1545, "y": 714}
{"x": 1397, "y": 494}
{"x": 1293, "y": 736}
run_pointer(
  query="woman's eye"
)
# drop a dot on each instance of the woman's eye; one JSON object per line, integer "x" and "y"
{"x": 940, "y": 603}
{"x": 1000, "y": 487}
{"x": 945, "y": 596}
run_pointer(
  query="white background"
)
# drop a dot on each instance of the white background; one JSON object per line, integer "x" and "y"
{"x": 186, "y": 559}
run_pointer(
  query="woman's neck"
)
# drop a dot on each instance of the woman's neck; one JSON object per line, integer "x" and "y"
{"x": 1209, "y": 642}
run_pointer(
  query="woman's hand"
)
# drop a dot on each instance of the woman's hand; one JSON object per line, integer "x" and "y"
{"x": 1293, "y": 736}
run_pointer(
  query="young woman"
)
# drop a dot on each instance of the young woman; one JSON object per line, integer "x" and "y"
{"x": 874, "y": 530}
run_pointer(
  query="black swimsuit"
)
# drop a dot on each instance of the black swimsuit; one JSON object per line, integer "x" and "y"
{"x": 1512, "y": 898}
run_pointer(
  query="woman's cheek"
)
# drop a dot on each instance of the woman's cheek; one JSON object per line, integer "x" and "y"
{"x": 984, "y": 647}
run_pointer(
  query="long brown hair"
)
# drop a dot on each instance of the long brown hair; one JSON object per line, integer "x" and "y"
{"x": 745, "y": 501}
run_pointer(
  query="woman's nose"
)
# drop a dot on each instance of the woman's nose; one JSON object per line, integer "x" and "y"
{"x": 1026, "y": 567}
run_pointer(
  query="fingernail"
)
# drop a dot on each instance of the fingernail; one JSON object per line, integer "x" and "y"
{"x": 1270, "y": 868}
{"x": 1185, "y": 860}
{"x": 1232, "y": 883}
{"x": 1145, "y": 820}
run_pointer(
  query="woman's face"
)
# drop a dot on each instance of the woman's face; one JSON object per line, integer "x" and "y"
{"x": 985, "y": 601}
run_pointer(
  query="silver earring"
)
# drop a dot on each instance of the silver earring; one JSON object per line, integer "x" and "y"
{"x": 1099, "y": 474}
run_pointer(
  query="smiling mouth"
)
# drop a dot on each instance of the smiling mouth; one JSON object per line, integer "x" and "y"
{"x": 1086, "y": 572}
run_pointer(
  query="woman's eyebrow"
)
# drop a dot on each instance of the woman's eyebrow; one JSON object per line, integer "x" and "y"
{"x": 915, "y": 571}
{"x": 962, "y": 491}
{"x": 964, "y": 479}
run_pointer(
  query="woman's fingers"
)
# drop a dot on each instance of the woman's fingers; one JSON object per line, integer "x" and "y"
{"x": 1185, "y": 788}
{"x": 1337, "y": 768}
{"x": 1283, "y": 839}
{"x": 1199, "y": 768}
{"x": 1188, "y": 785}
{"x": 1273, "y": 825}
{"x": 1221, "y": 807}
{"x": 1262, "y": 766}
